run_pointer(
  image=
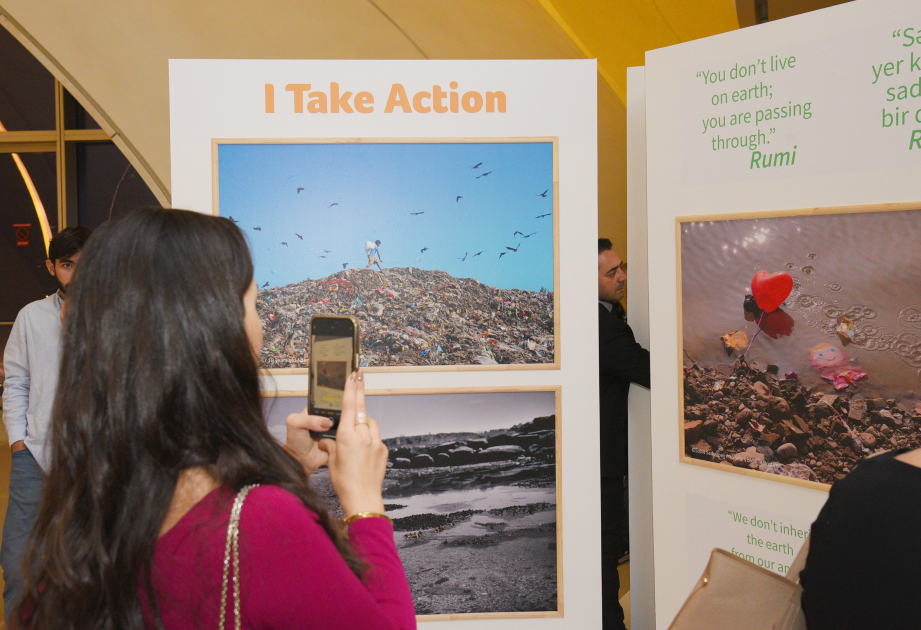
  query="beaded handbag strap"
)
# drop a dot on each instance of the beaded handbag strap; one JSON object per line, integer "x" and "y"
{"x": 232, "y": 556}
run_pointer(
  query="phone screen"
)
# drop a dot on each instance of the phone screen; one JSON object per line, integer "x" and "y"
{"x": 332, "y": 362}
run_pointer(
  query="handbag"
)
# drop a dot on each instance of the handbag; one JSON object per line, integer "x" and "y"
{"x": 735, "y": 594}
{"x": 232, "y": 557}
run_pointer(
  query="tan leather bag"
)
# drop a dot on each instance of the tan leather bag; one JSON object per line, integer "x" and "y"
{"x": 735, "y": 594}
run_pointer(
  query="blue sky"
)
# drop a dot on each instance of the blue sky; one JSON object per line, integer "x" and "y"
{"x": 376, "y": 187}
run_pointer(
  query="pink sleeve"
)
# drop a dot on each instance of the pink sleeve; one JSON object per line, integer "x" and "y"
{"x": 292, "y": 576}
{"x": 385, "y": 578}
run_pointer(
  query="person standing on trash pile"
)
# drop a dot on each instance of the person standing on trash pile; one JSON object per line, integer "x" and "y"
{"x": 371, "y": 249}
{"x": 621, "y": 361}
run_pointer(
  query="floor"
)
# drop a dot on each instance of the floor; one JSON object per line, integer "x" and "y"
{"x": 624, "y": 571}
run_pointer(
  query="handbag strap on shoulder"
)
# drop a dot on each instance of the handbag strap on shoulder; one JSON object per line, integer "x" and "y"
{"x": 232, "y": 557}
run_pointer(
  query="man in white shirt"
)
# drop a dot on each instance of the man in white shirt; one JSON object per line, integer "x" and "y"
{"x": 371, "y": 249}
{"x": 31, "y": 361}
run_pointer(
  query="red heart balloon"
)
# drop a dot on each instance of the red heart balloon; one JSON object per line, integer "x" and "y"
{"x": 771, "y": 289}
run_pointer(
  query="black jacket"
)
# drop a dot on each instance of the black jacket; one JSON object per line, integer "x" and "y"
{"x": 621, "y": 360}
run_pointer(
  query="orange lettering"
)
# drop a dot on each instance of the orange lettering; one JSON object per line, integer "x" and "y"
{"x": 269, "y": 98}
{"x": 493, "y": 99}
{"x": 417, "y": 102}
{"x": 298, "y": 89}
{"x": 438, "y": 99}
{"x": 337, "y": 101}
{"x": 364, "y": 102}
{"x": 398, "y": 98}
{"x": 472, "y": 102}
{"x": 317, "y": 104}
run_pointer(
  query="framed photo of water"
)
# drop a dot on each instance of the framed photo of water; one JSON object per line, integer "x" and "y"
{"x": 473, "y": 488}
{"x": 445, "y": 249}
{"x": 800, "y": 339}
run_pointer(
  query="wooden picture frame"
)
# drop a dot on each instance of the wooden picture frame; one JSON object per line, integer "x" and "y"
{"x": 483, "y": 346}
{"x": 492, "y": 551}
{"x": 824, "y": 369}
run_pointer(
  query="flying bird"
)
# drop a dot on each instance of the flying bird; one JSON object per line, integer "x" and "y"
{"x": 515, "y": 249}
{"x": 332, "y": 204}
{"x": 541, "y": 216}
{"x": 423, "y": 212}
{"x": 327, "y": 251}
{"x": 477, "y": 166}
{"x": 321, "y": 256}
{"x": 544, "y": 194}
{"x": 502, "y": 254}
{"x": 484, "y": 174}
{"x": 517, "y": 232}
{"x": 284, "y": 243}
{"x": 528, "y": 235}
{"x": 232, "y": 219}
{"x": 464, "y": 258}
{"x": 258, "y": 229}
{"x": 477, "y": 254}
{"x": 265, "y": 285}
{"x": 422, "y": 251}
{"x": 299, "y": 236}
{"x": 299, "y": 190}
{"x": 458, "y": 199}
{"x": 344, "y": 265}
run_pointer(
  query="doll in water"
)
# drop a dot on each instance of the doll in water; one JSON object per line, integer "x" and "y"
{"x": 833, "y": 365}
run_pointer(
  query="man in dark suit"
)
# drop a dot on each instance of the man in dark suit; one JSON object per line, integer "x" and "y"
{"x": 621, "y": 360}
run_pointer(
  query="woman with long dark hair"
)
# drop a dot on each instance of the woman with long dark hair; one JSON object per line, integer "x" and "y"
{"x": 157, "y": 426}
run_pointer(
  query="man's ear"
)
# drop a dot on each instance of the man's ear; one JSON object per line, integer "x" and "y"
{"x": 50, "y": 264}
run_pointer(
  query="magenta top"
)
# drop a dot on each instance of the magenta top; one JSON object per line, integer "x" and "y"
{"x": 291, "y": 575}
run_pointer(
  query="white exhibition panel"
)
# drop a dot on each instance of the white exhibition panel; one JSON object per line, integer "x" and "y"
{"x": 227, "y": 99}
{"x": 851, "y": 147}
{"x": 639, "y": 438}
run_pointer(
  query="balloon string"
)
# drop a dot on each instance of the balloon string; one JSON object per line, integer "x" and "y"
{"x": 753, "y": 338}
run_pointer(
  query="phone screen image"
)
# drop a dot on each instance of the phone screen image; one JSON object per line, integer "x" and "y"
{"x": 332, "y": 358}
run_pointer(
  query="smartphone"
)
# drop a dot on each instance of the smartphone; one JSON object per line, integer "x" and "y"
{"x": 333, "y": 357}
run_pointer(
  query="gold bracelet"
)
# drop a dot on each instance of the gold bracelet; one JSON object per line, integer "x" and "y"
{"x": 354, "y": 517}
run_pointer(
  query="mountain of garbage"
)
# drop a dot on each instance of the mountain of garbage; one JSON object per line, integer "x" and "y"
{"x": 411, "y": 317}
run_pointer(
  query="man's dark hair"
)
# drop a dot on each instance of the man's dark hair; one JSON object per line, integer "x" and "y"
{"x": 377, "y": 242}
{"x": 604, "y": 245}
{"x": 68, "y": 242}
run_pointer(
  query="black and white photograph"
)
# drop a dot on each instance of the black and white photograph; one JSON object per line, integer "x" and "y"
{"x": 472, "y": 487}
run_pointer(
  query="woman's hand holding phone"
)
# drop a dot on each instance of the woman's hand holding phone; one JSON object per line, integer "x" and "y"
{"x": 299, "y": 442}
{"x": 357, "y": 457}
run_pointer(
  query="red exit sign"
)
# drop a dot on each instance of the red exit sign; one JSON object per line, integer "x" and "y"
{"x": 23, "y": 230}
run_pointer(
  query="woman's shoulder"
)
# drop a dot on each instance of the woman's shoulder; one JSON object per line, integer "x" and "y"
{"x": 269, "y": 507}
{"x": 278, "y": 513}
{"x": 879, "y": 475}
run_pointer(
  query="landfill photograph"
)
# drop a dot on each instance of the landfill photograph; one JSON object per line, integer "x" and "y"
{"x": 800, "y": 340}
{"x": 443, "y": 251}
{"x": 471, "y": 487}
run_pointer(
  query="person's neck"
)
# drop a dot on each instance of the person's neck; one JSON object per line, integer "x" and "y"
{"x": 193, "y": 485}
{"x": 911, "y": 457}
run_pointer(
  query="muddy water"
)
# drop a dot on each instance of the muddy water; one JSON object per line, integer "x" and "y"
{"x": 486, "y": 498}
{"x": 864, "y": 266}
